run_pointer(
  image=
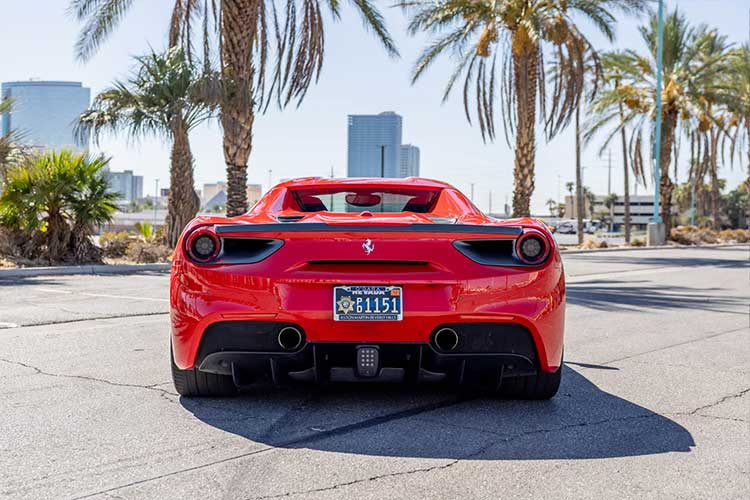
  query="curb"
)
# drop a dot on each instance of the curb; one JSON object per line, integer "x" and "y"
{"x": 28, "y": 272}
{"x": 660, "y": 247}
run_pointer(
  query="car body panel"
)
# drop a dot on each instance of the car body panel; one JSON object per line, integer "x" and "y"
{"x": 323, "y": 249}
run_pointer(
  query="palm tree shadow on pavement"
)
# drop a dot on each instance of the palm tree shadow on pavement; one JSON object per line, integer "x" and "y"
{"x": 581, "y": 422}
{"x": 611, "y": 295}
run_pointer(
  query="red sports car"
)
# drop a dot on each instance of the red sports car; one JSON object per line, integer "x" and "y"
{"x": 396, "y": 280}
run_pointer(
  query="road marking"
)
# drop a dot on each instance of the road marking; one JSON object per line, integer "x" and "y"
{"x": 101, "y": 295}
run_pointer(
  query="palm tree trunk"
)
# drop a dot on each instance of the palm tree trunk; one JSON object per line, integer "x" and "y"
{"x": 526, "y": 75}
{"x": 626, "y": 173}
{"x": 666, "y": 187}
{"x": 713, "y": 171}
{"x": 580, "y": 203}
{"x": 183, "y": 202}
{"x": 239, "y": 29}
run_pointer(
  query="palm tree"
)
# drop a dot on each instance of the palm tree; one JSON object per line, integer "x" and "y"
{"x": 552, "y": 207}
{"x": 693, "y": 60}
{"x": 239, "y": 31}
{"x": 167, "y": 97}
{"x": 11, "y": 148}
{"x": 55, "y": 199}
{"x": 608, "y": 113}
{"x": 476, "y": 32}
{"x": 735, "y": 96}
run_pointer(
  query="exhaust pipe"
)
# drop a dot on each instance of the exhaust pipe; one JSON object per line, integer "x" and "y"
{"x": 289, "y": 338}
{"x": 446, "y": 339}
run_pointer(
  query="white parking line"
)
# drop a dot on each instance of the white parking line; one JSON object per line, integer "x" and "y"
{"x": 101, "y": 295}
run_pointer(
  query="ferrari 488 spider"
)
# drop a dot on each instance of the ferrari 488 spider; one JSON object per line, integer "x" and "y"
{"x": 394, "y": 280}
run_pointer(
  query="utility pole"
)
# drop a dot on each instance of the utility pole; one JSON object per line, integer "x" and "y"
{"x": 472, "y": 190}
{"x": 490, "y": 212}
{"x": 156, "y": 202}
{"x": 270, "y": 172}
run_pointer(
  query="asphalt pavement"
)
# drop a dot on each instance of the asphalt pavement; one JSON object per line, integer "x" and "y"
{"x": 654, "y": 402}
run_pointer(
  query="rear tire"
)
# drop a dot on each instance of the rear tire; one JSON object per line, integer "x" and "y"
{"x": 201, "y": 384}
{"x": 543, "y": 385}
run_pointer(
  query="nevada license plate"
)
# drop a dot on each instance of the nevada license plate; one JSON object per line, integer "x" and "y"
{"x": 367, "y": 303}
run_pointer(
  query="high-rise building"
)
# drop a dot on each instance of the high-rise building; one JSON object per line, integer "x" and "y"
{"x": 44, "y": 113}
{"x": 409, "y": 161}
{"x": 128, "y": 186}
{"x": 374, "y": 145}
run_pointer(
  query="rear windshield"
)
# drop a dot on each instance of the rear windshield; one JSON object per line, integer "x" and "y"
{"x": 376, "y": 199}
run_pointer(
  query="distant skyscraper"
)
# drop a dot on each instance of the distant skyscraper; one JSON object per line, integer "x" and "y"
{"x": 409, "y": 165}
{"x": 374, "y": 140}
{"x": 128, "y": 186}
{"x": 45, "y": 112}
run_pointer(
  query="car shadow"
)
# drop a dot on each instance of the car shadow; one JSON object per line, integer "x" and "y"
{"x": 581, "y": 422}
{"x": 613, "y": 295}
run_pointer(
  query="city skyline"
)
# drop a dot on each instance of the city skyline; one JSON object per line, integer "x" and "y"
{"x": 312, "y": 138}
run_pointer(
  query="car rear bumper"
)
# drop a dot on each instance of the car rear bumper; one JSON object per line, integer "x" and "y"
{"x": 533, "y": 299}
{"x": 501, "y": 351}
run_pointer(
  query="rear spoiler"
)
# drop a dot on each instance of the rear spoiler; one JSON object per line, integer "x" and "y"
{"x": 281, "y": 227}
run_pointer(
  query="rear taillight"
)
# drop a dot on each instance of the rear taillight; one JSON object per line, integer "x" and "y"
{"x": 532, "y": 247}
{"x": 204, "y": 246}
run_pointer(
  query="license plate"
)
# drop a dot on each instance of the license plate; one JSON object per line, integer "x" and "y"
{"x": 367, "y": 303}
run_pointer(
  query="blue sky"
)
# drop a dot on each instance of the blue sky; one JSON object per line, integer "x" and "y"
{"x": 37, "y": 40}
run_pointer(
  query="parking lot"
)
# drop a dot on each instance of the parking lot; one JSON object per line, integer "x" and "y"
{"x": 654, "y": 401}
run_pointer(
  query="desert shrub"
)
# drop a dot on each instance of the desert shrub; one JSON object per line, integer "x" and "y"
{"x": 115, "y": 244}
{"x": 144, "y": 252}
{"x": 738, "y": 235}
{"x": 591, "y": 244}
{"x": 636, "y": 242}
{"x": 691, "y": 235}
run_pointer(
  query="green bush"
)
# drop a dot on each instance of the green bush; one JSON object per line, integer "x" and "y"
{"x": 55, "y": 200}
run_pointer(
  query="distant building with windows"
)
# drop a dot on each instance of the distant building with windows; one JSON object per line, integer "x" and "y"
{"x": 641, "y": 210}
{"x": 45, "y": 112}
{"x": 409, "y": 161}
{"x": 374, "y": 145}
{"x": 128, "y": 185}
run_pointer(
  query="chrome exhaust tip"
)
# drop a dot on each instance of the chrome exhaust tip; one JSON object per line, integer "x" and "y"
{"x": 446, "y": 339}
{"x": 289, "y": 338}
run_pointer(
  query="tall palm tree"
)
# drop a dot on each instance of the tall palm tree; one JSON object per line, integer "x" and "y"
{"x": 693, "y": 60}
{"x": 167, "y": 97}
{"x": 608, "y": 117}
{"x": 239, "y": 32}
{"x": 503, "y": 43}
{"x": 735, "y": 96}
